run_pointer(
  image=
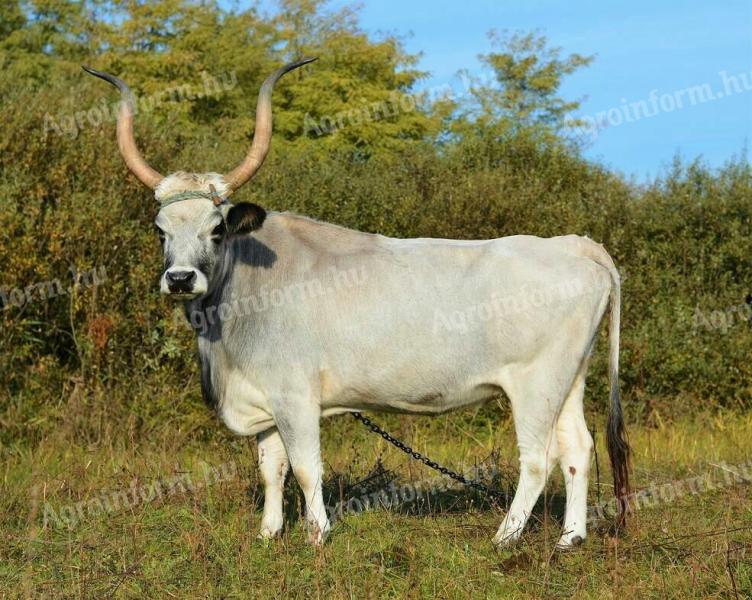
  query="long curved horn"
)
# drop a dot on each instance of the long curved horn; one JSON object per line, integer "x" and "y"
{"x": 262, "y": 136}
{"x": 127, "y": 144}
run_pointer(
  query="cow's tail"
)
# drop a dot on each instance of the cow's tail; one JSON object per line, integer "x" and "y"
{"x": 616, "y": 435}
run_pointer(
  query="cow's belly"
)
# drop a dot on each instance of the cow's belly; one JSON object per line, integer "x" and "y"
{"x": 425, "y": 389}
{"x": 432, "y": 402}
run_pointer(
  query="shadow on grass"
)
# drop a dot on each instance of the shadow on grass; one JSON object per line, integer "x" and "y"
{"x": 431, "y": 495}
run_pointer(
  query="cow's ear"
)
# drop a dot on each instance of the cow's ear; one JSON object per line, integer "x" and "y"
{"x": 244, "y": 217}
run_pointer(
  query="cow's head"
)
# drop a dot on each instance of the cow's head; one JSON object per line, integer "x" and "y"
{"x": 195, "y": 218}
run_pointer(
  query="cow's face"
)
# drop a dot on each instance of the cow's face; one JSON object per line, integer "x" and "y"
{"x": 194, "y": 233}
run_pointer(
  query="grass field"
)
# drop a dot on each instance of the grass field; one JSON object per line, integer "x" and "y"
{"x": 194, "y": 534}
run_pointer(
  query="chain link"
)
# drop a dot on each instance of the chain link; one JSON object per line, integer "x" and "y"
{"x": 427, "y": 461}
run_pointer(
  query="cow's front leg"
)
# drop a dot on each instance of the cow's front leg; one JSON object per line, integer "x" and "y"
{"x": 298, "y": 424}
{"x": 273, "y": 465}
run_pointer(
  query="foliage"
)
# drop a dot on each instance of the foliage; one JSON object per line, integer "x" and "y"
{"x": 519, "y": 91}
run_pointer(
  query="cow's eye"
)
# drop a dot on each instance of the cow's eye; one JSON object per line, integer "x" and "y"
{"x": 160, "y": 233}
{"x": 218, "y": 232}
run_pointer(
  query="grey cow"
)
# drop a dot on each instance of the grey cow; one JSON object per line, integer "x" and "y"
{"x": 298, "y": 319}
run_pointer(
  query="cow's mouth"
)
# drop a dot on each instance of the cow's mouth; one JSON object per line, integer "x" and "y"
{"x": 182, "y": 295}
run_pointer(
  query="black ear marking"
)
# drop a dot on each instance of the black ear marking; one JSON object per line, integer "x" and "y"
{"x": 245, "y": 217}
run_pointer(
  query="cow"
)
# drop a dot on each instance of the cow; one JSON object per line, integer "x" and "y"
{"x": 430, "y": 326}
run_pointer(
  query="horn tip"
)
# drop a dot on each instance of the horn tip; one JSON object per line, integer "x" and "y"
{"x": 305, "y": 61}
{"x": 96, "y": 73}
{"x": 118, "y": 83}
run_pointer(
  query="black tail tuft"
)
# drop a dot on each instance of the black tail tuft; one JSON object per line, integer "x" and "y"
{"x": 619, "y": 453}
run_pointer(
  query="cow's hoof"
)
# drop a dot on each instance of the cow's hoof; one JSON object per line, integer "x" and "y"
{"x": 568, "y": 544}
{"x": 317, "y": 534}
{"x": 505, "y": 540}
{"x": 316, "y": 538}
{"x": 508, "y": 534}
{"x": 266, "y": 534}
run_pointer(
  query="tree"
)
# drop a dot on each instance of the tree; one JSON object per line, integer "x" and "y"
{"x": 361, "y": 97}
{"x": 522, "y": 91}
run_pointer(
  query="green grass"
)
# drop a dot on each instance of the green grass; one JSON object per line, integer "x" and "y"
{"x": 202, "y": 542}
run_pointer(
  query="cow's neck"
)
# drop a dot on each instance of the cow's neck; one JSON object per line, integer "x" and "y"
{"x": 247, "y": 265}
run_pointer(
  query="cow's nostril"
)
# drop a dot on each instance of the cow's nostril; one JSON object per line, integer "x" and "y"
{"x": 180, "y": 276}
{"x": 180, "y": 280}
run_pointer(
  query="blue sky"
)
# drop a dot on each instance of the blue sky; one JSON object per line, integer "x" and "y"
{"x": 663, "y": 47}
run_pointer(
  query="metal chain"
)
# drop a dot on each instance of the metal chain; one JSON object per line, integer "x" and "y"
{"x": 427, "y": 461}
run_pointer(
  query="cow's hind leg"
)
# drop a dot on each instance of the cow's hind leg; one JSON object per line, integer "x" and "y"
{"x": 575, "y": 447}
{"x": 273, "y": 465}
{"x": 536, "y": 403}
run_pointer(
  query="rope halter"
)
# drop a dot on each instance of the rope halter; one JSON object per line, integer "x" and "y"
{"x": 210, "y": 195}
